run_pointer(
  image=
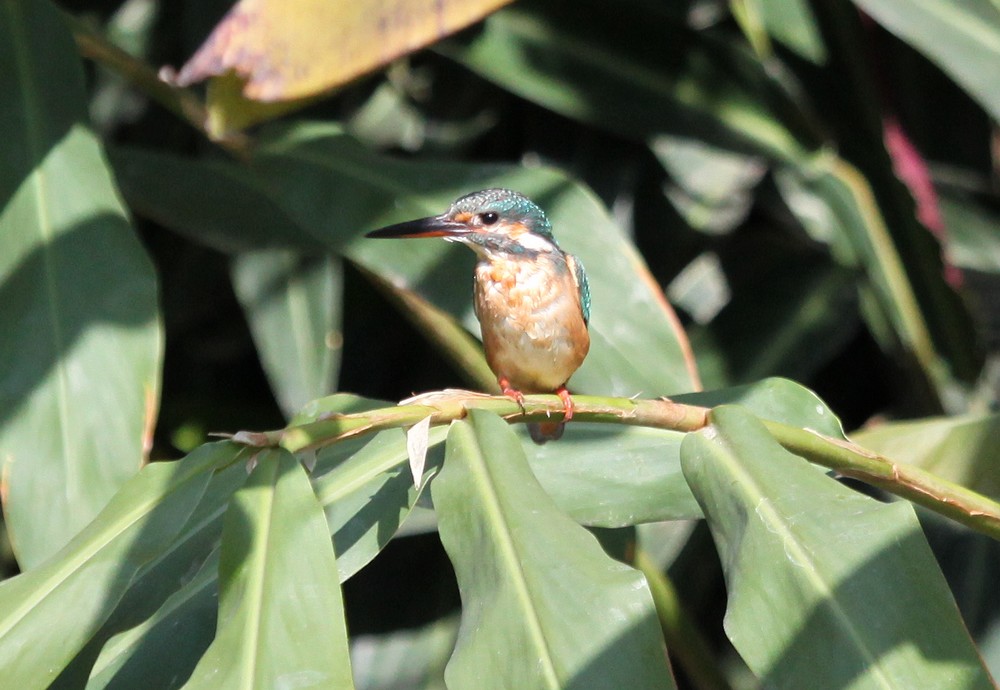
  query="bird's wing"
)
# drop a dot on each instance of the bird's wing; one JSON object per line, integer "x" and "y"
{"x": 580, "y": 278}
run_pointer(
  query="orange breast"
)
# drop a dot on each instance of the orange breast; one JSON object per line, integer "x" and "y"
{"x": 532, "y": 324}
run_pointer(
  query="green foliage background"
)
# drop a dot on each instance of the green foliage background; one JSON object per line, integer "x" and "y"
{"x": 812, "y": 185}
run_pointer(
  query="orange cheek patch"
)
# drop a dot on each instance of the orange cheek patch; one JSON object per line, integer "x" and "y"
{"x": 462, "y": 217}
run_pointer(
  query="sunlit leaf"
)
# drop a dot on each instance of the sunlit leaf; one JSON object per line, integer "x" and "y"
{"x": 80, "y": 347}
{"x": 806, "y": 559}
{"x": 280, "y": 608}
{"x": 543, "y": 605}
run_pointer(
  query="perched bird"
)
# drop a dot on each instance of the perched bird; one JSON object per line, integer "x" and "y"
{"x": 531, "y": 298}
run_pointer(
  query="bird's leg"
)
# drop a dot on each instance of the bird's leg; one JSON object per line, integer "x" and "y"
{"x": 511, "y": 392}
{"x": 567, "y": 403}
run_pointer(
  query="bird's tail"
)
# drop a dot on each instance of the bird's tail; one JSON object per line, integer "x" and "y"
{"x": 543, "y": 432}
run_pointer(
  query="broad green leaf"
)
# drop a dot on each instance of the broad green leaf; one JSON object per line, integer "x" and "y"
{"x": 611, "y": 476}
{"x": 293, "y": 304}
{"x": 284, "y": 53}
{"x": 636, "y": 72}
{"x": 806, "y": 559}
{"x": 775, "y": 399}
{"x": 961, "y": 449}
{"x": 80, "y": 346}
{"x": 90, "y": 574}
{"x": 543, "y": 605}
{"x": 367, "y": 494}
{"x": 962, "y": 38}
{"x": 280, "y": 609}
{"x": 412, "y": 659}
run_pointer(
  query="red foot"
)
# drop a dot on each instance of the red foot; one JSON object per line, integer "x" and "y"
{"x": 567, "y": 403}
{"x": 511, "y": 392}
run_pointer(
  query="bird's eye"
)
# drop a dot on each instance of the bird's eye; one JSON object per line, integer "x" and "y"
{"x": 489, "y": 218}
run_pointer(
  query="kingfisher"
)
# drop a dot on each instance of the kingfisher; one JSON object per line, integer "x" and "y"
{"x": 532, "y": 299}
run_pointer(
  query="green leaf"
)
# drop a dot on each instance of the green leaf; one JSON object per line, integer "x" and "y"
{"x": 543, "y": 605}
{"x": 280, "y": 609}
{"x": 807, "y": 561}
{"x": 961, "y": 449}
{"x": 775, "y": 399}
{"x": 962, "y": 38}
{"x": 612, "y": 476}
{"x": 80, "y": 347}
{"x": 90, "y": 574}
{"x": 294, "y": 307}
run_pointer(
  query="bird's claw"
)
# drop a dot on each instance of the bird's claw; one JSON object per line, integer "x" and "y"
{"x": 568, "y": 406}
{"x": 512, "y": 393}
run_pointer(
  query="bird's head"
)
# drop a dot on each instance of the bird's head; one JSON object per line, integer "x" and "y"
{"x": 491, "y": 221}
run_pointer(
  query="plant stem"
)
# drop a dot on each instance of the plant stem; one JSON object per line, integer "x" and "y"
{"x": 940, "y": 495}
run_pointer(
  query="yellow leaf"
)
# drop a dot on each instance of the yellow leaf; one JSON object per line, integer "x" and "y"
{"x": 293, "y": 51}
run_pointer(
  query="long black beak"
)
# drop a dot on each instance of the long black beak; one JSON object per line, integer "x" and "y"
{"x": 435, "y": 226}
